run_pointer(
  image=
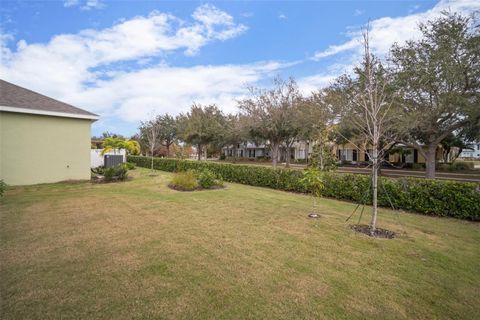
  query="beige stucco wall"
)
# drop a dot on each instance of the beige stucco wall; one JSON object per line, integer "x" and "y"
{"x": 39, "y": 149}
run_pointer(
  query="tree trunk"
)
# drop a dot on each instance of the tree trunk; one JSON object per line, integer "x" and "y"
{"x": 235, "y": 153}
{"x": 205, "y": 152}
{"x": 199, "y": 152}
{"x": 320, "y": 156}
{"x": 288, "y": 154}
{"x": 430, "y": 161}
{"x": 373, "y": 222}
{"x": 152, "y": 159}
{"x": 274, "y": 154}
{"x": 306, "y": 152}
{"x": 168, "y": 150}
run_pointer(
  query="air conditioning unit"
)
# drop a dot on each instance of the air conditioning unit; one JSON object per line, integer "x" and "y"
{"x": 112, "y": 160}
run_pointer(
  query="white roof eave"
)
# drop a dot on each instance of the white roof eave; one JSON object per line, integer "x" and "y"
{"x": 49, "y": 113}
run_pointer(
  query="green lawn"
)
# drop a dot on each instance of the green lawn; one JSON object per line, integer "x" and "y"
{"x": 140, "y": 250}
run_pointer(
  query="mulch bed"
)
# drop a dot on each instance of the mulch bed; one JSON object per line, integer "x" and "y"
{"x": 101, "y": 179}
{"x": 178, "y": 188}
{"x": 379, "y": 232}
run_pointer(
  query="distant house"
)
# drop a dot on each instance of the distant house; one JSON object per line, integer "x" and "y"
{"x": 42, "y": 139}
{"x": 249, "y": 150}
{"x": 347, "y": 152}
{"x": 473, "y": 153}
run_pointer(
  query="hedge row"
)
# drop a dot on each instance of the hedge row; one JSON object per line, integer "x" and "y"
{"x": 432, "y": 197}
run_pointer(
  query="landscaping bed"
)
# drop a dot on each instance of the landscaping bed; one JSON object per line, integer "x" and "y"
{"x": 432, "y": 197}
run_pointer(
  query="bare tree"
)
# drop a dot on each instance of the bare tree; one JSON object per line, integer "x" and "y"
{"x": 368, "y": 103}
{"x": 151, "y": 131}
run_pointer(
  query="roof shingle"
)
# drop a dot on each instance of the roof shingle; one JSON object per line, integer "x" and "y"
{"x": 15, "y": 96}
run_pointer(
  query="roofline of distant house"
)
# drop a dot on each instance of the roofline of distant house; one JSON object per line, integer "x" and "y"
{"x": 49, "y": 113}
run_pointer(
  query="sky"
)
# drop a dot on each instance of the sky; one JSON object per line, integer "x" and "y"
{"x": 128, "y": 61}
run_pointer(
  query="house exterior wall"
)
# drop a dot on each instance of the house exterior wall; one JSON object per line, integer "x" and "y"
{"x": 41, "y": 149}
{"x": 473, "y": 153}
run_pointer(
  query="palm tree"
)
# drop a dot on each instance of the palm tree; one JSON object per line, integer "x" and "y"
{"x": 130, "y": 146}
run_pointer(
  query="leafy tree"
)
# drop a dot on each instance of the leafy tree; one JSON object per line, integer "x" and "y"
{"x": 439, "y": 77}
{"x": 271, "y": 115}
{"x": 201, "y": 126}
{"x": 130, "y": 146}
{"x": 108, "y": 134}
{"x": 167, "y": 131}
{"x": 452, "y": 146}
{"x": 235, "y": 132}
{"x": 315, "y": 117}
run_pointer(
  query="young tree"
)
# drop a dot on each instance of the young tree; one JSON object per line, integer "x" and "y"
{"x": 151, "y": 130}
{"x": 271, "y": 115}
{"x": 439, "y": 76}
{"x": 322, "y": 156}
{"x": 368, "y": 104}
{"x": 201, "y": 126}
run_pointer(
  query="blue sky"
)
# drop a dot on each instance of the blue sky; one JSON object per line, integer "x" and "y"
{"x": 130, "y": 60}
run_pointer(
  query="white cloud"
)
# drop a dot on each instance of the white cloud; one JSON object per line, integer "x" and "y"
{"x": 334, "y": 49}
{"x": 70, "y": 3}
{"x": 414, "y": 8}
{"x": 386, "y": 31}
{"x": 310, "y": 84}
{"x": 135, "y": 95}
{"x": 358, "y": 12}
{"x": 282, "y": 16}
{"x": 120, "y": 72}
{"x": 84, "y": 5}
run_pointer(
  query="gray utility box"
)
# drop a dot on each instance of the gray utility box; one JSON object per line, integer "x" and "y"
{"x": 112, "y": 160}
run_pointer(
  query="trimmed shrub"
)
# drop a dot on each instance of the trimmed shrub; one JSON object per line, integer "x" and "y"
{"x": 206, "y": 179}
{"x": 461, "y": 166}
{"x": 184, "y": 181}
{"x": 433, "y": 197}
{"x": 417, "y": 166}
{"x": 129, "y": 165}
{"x": 117, "y": 173}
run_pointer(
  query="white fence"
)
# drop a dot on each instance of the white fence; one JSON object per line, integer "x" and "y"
{"x": 96, "y": 157}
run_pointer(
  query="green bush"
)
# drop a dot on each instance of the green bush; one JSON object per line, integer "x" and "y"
{"x": 461, "y": 166}
{"x": 129, "y": 165}
{"x": 418, "y": 166}
{"x": 3, "y": 187}
{"x": 116, "y": 173}
{"x": 433, "y": 197}
{"x": 185, "y": 181}
{"x": 206, "y": 179}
